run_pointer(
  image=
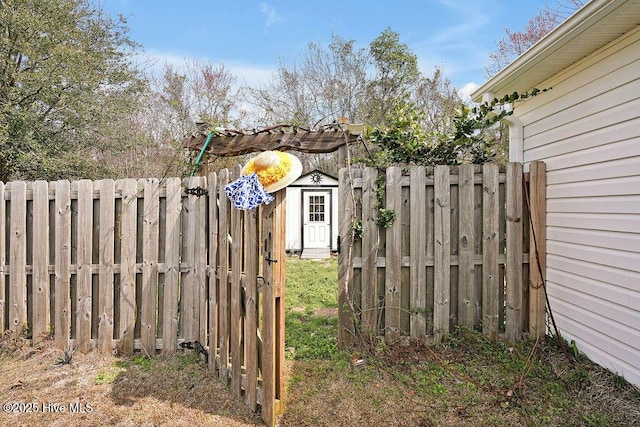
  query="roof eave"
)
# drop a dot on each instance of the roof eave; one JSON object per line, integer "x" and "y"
{"x": 561, "y": 35}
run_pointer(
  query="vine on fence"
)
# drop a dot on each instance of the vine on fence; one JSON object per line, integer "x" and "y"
{"x": 403, "y": 141}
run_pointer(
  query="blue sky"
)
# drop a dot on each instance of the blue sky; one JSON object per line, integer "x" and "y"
{"x": 250, "y": 37}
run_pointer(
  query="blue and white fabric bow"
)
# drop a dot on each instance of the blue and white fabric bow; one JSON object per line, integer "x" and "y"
{"x": 247, "y": 192}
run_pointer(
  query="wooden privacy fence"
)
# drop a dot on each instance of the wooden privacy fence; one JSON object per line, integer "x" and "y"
{"x": 458, "y": 252}
{"x": 147, "y": 264}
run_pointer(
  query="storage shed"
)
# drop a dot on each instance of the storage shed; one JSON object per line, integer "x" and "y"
{"x": 587, "y": 131}
{"x": 312, "y": 215}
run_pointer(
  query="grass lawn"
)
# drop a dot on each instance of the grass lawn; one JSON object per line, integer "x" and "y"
{"x": 467, "y": 380}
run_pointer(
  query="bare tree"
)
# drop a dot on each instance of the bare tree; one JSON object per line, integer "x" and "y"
{"x": 515, "y": 43}
{"x": 438, "y": 100}
{"x": 327, "y": 83}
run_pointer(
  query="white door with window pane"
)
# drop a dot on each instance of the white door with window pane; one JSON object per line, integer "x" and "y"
{"x": 316, "y": 219}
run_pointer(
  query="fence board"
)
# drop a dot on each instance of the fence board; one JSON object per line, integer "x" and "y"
{"x": 62, "y": 253}
{"x": 40, "y": 281}
{"x": 212, "y": 186}
{"x": 442, "y": 251}
{"x": 418, "y": 269}
{"x": 251, "y": 308}
{"x": 466, "y": 249}
{"x": 3, "y": 260}
{"x": 223, "y": 272}
{"x": 18, "y": 258}
{"x": 370, "y": 241}
{"x": 106, "y": 260}
{"x": 393, "y": 255}
{"x": 127, "y": 234}
{"x": 537, "y": 263}
{"x": 490, "y": 232}
{"x": 346, "y": 213}
{"x": 236, "y": 269}
{"x": 200, "y": 270}
{"x": 514, "y": 314}
{"x": 84, "y": 245}
{"x": 172, "y": 262}
{"x": 149, "y": 289}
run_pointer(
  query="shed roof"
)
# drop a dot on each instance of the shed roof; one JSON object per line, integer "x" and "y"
{"x": 590, "y": 28}
{"x": 231, "y": 142}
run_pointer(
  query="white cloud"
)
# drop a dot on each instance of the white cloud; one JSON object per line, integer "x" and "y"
{"x": 247, "y": 74}
{"x": 466, "y": 90}
{"x": 270, "y": 13}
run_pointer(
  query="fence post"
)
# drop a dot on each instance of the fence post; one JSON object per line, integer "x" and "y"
{"x": 514, "y": 312}
{"x": 538, "y": 248}
{"x": 346, "y": 315}
{"x": 273, "y": 236}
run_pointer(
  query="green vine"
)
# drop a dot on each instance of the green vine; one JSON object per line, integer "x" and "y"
{"x": 385, "y": 217}
{"x": 403, "y": 141}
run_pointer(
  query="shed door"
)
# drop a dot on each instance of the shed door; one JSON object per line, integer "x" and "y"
{"x": 316, "y": 219}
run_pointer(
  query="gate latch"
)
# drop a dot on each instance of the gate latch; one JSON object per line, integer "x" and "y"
{"x": 269, "y": 259}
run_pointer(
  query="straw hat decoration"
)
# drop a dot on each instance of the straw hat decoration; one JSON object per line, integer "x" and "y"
{"x": 266, "y": 173}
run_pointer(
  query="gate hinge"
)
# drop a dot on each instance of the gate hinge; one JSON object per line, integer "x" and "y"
{"x": 197, "y": 191}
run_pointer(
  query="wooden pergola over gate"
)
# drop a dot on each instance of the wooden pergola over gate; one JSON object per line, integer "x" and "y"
{"x": 263, "y": 232}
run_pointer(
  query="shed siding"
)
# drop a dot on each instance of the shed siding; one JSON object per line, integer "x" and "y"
{"x": 294, "y": 211}
{"x": 587, "y": 130}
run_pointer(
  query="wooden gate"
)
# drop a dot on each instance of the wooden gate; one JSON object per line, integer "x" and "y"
{"x": 146, "y": 265}
{"x": 246, "y": 297}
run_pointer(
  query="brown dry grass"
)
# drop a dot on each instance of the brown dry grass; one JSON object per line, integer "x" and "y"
{"x": 170, "y": 391}
{"x": 467, "y": 381}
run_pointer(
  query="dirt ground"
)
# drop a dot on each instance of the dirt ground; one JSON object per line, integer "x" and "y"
{"x": 99, "y": 390}
{"x": 403, "y": 386}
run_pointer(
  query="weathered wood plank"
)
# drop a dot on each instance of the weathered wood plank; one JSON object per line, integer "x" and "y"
{"x": 127, "y": 232}
{"x": 172, "y": 261}
{"x": 40, "y": 261}
{"x": 538, "y": 248}
{"x": 223, "y": 271}
{"x": 430, "y": 238}
{"x": 18, "y": 258}
{"x": 490, "y": 233}
{"x": 212, "y": 186}
{"x": 346, "y": 213}
{"x": 442, "y": 252}
{"x": 370, "y": 242}
{"x": 149, "y": 289}
{"x": 273, "y": 228}
{"x": 268, "y": 316}
{"x": 393, "y": 286}
{"x": 514, "y": 315}
{"x": 106, "y": 260}
{"x": 251, "y": 307}
{"x": 466, "y": 248}
{"x": 200, "y": 258}
{"x": 235, "y": 343}
{"x": 62, "y": 253}
{"x": 189, "y": 305}
{"x": 84, "y": 242}
{"x": 418, "y": 250}
{"x": 3, "y": 260}
{"x": 478, "y": 194}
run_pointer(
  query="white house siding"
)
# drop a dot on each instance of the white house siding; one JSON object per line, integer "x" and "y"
{"x": 587, "y": 131}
